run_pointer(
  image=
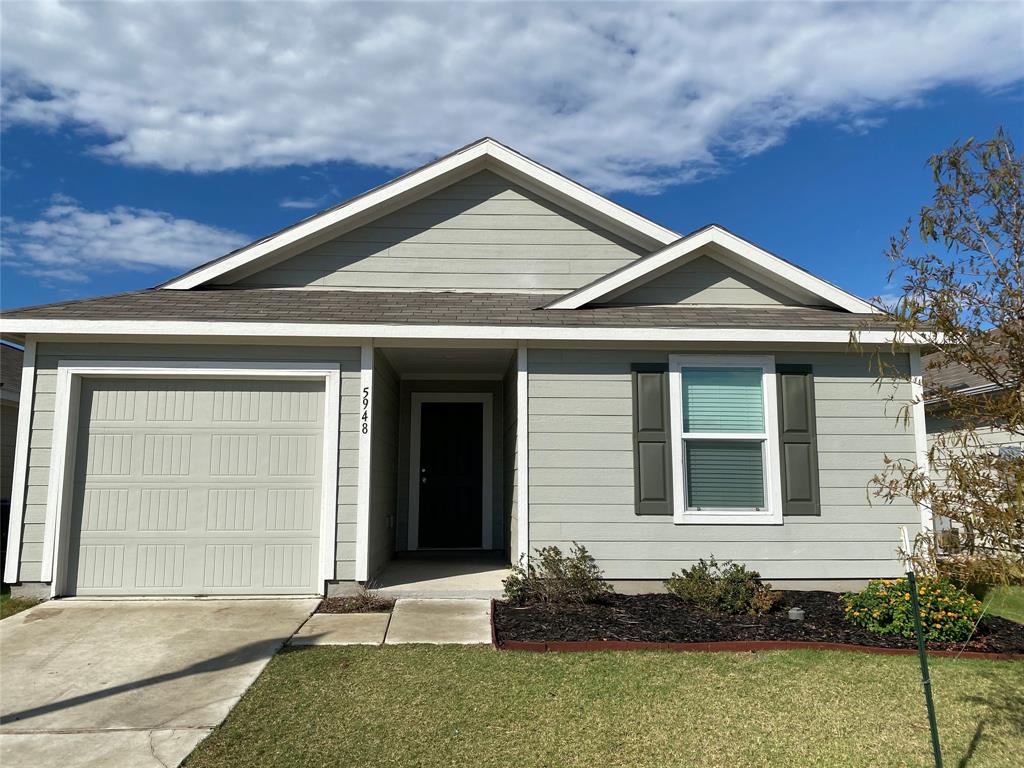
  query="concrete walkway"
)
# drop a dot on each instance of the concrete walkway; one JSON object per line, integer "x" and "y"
{"x": 130, "y": 682}
{"x": 431, "y": 621}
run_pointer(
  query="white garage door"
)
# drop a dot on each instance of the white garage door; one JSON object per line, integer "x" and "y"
{"x": 197, "y": 487}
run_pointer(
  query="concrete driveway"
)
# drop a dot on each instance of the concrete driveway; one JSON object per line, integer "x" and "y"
{"x": 130, "y": 682}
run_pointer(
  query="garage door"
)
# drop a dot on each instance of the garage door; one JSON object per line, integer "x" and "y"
{"x": 197, "y": 487}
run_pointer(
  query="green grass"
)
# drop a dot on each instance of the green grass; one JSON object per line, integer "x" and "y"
{"x": 458, "y": 706}
{"x": 12, "y": 605}
{"x": 1007, "y": 602}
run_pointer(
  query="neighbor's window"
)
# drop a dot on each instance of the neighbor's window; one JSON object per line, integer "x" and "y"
{"x": 723, "y": 427}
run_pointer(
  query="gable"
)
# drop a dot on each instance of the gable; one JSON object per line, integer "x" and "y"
{"x": 704, "y": 280}
{"x": 484, "y": 154}
{"x": 771, "y": 275}
{"x": 483, "y": 233}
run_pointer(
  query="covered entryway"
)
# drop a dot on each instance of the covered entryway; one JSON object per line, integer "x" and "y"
{"x": 196, "y": 487}
{"x": 443, "y": 491}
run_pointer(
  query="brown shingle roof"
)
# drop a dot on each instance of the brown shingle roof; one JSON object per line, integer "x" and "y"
{"x": 427, "y": 308}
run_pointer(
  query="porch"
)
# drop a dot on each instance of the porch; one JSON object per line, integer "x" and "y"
{"x": 441, "y": 430}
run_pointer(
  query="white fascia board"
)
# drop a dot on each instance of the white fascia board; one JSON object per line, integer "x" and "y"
{"x": 244, "y": 330}
{"x": 483, "y": 154}
{"x": 757, "y": 258}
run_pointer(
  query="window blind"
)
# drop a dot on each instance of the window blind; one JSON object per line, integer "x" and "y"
{"x": 722, "y": 400}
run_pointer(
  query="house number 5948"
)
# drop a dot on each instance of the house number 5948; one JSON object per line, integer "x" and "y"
{"x": 366, "y": 410}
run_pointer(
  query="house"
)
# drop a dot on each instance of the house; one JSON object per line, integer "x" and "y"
{"x": 940, "y": 377}
{"x": 947, "y": 437}
{"x": 480, "y": 356}
{"x": 10, "y": 387}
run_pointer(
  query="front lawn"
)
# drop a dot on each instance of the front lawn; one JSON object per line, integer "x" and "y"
{"x": 466, "y": 706}
{"x": 12, "y": 605}
{"x": 1007, "y": 602}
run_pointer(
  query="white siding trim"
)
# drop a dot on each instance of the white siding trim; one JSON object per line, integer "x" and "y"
{"x": 772, "y": 463}
{"x": 365, "y": 457}
{"x": 486, "y": 448}
{"x": 746, "y": 252}
{"x": 278, "y": 331}
{"x": 920, "y": 429}
{"x": 522, "y": 453}
{"x": 485, "y": 153}
{"x": 28, "y": 385}
{"x": 62, "y": 459}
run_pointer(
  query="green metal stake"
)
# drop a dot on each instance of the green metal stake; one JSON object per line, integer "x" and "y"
{"x": 922, "y": 654}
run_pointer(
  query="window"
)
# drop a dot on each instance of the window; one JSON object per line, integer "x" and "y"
{"x": 725, "y": 455}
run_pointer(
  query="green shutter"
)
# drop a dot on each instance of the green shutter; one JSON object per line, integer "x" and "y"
{"x": 652, "y": 457}
{"x": 798, "y": 441}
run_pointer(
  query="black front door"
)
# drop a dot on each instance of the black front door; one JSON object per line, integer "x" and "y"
{"x": 451, "y": 475}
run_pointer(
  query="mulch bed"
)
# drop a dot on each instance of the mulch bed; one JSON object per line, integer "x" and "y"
{"x": 663, "y": 618}
{"x": 356, "y": 604}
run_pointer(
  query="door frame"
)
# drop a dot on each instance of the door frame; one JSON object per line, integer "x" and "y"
{"x": 70, "y": 373}
{"x": 487, "y": 451}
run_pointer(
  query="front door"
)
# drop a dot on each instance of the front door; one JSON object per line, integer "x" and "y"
{"x": 450, "y": 479}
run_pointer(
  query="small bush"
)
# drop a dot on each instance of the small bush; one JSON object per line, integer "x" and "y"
{"x": 552, "y": 577}
{"x": 723, "y": 588}
{"x": 948, "y": 613}
{"x": 364, "y": 600}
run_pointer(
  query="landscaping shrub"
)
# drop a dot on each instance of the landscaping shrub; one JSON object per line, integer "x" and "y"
{"x": 723, "y": 588}
{"x": 948, "y": 613}
{"x": 553, "y": 577}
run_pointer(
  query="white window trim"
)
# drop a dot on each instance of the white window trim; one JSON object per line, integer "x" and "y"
{"x": 772, "y": 514}
{"x": 65, "y": 429}
{"x": 486, "y": 448}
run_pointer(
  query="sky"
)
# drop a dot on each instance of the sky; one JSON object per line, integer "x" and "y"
{"x": 140, "y": 140}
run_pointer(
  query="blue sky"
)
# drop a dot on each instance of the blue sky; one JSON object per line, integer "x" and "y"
{"x": 117, "y": 177}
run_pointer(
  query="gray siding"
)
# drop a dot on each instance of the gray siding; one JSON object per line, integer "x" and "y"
{"x": 990, "y": 438}
{"x": 41, "y": 438}
{"x": 581, "y": 475}
{"x": 705, "y": 280}
{"x": 482, "y": 233}
{"x": 510, "y": 456}
{"x": 383, "y": 464}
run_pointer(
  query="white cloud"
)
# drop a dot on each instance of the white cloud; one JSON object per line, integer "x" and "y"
{"x": 70, "y": 244}
{"x": 621, "y": 97}
{"x": 303, "y": 203}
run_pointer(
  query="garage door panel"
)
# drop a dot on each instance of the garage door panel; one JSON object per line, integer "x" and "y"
{"x": 197, "y": 491}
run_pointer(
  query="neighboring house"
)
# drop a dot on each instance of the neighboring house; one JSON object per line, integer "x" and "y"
{"x": 956, "y": 378}
{"x": 992, "y": 437}
{"x": 10, "y": 388}
{"x": 481, "y": 355}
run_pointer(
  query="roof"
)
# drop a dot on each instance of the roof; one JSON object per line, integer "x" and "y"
{"x": 253, "y": 305}
{"x": 360, "y": 210}
{"x": 949, "y": 376}
{"x": 11, "y": 359}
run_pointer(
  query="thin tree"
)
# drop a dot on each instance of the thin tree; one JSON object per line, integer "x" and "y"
{"x": 963, "y": 281}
